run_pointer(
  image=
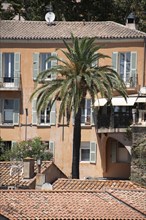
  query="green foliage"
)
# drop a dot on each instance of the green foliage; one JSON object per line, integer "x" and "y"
{"x": 79, "y": 75}
{"x": 33, "y": 148}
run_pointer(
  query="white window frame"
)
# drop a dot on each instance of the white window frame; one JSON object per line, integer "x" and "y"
{"x": 44, "y": 114}
{"x": 125, "y": 76}
{"x": 7, "y": 110}
{"x": 84, "y": 113}
{"x": 91, "y": 146}
{"x": 10, "y": 73}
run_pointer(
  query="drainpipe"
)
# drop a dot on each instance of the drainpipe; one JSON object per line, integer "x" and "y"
{"x": 144, "y": 63}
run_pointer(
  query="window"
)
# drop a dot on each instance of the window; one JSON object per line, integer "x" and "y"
{"x": 9, "y": 111}
{"x": 10, "y": 69}
{"x": 46, "y": 117}
{"x": 124, "y": 60}
{"x": 119, "y": 153}
{"x": 40, "y": 63}
{"x": 44, "y": 64}
{"x": 88, "y": 152}
{"x": 125, "y": 63}
{"x": 86, "y": 111}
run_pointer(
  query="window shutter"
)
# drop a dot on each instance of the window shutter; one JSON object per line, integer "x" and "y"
{"x": 115, "y": 61}
{"x": 16, "y": 111}
{"x": 133, "y": 67}
{"x": 53, "y": 115}
{"x": 16, "y": 69}
{"x": 92, "y": 152}
{"x": 35, "y": 65}
{"x": 114, "y": 152}
{"x": 1, "y": 106}
{"x": 34, "y": 112}
{"x": 13, "y": 144}
{"x": 92, "y": 116}
{"x": 1, "y": 70}
{"x": 53, "y": 63}
{"x": 51, "y": 147}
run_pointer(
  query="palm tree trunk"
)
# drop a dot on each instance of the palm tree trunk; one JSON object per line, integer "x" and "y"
{"x": 76, "y": 145}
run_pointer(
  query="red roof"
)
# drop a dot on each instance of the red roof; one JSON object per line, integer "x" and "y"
{"x": 108, "y": 205}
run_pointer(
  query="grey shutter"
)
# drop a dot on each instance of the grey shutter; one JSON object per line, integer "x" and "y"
{"x": 115, "y": 61}
{"x": 51, "y": 147}
{"x": 1, "y": 69}
{"x": 1, "y": 107}
{"x": 34, "y": 112}
{"x": 53, "y": 63}
{"x": 16, "y": 69}
{"x": 114, "y": 152}
{"x": 133, "y": 68}
{"x": 35, "y": 65}
{"x": 16, "y": 111}
{"x": 53, "y": 115}
{"x": 13, "y": 144}
{"x": 92, "y": 152}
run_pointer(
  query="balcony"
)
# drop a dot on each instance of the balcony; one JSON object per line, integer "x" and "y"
{"x": 113, "y": 122}
{"x": 10, "y": 84}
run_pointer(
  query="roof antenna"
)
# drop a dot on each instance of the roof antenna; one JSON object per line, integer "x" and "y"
{"x": 50, "y": 16}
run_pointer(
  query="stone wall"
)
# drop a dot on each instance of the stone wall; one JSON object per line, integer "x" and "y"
{"x": 138, "y": 160}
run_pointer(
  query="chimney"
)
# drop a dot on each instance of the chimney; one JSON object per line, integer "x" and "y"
{"x": 131, "y": 21}
{"x": 28, "y": 168}
{"x": 40, "y": 180}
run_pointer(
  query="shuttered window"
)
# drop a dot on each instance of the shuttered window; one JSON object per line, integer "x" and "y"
{"x": 41, "y": 63}
{"x": 10, "y": 69}
{"x": 9, "y": 111}
{"x": 88, "y": 152}
{"x": 125, "y": 63}
{"x": 45, "y": 117}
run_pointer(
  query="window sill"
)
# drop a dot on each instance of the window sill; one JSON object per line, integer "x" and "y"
{"x": 43, "y": 125}
{"x": 7, "y": 125}
{"x": 88, "y": 162}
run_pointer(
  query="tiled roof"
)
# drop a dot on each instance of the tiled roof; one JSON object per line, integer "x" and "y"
{"x": 43, "y": 205}
{"x": 15, "y": 176}
{"x": 74, "y": 184}
{"x": 63, "y": 29}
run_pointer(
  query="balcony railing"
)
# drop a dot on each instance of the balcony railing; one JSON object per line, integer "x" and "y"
{"x": 116, "y": 120}
{"x": 9, "y": 83}
{"x": 130, "y": 82}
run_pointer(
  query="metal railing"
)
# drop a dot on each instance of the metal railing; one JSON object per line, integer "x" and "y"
{"x": 9, "y": 82}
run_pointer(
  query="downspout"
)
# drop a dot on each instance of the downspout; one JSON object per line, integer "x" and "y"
{"x": 144, "y": 63}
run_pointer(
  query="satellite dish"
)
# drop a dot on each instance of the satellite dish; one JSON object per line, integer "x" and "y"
{"x": 50, "y": 17}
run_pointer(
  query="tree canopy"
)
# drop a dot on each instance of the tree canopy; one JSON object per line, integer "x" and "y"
{"x": 76, "y": 76}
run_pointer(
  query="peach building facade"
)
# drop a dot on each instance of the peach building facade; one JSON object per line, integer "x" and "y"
{"x": 105, "y": 148}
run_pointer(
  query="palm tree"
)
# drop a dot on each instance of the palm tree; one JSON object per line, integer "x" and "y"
{"x": 78, "y": 75}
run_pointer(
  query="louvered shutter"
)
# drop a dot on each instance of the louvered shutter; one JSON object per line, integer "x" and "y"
{"x": 114, "y": 152}
{"x": 34, "y": 112}
{"x": 1, "y": 107}
{"x": 13, "y": 144}
{"x": 115, "y": 61}
{"x": 92, "y": 152}
{"x": 16, "y": 111}
{"x": 53, "y": 115}
{"x": 53, "y": 63}
{"x": 52, "y": 147}
{"x": 1, "y": 69}
{"x": 133, "y": 67}
{"x": 16, "y": 69}
{"x": 35, "y": 65}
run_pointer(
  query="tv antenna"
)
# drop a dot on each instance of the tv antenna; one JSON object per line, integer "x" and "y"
{"x": 50, "y": 16}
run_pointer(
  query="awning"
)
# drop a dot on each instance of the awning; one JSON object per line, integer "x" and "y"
{"x": 100, "y": 102}
{"x": 141, "y": 99}
{"x": 120, "y": 101}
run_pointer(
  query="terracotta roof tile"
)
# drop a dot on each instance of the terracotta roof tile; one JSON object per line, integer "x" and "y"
{"x": 62, "y": 30}
{"x": 74, "y": 184}
{"x": 43, "y": 205}
{"x": 17, "y": 178}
